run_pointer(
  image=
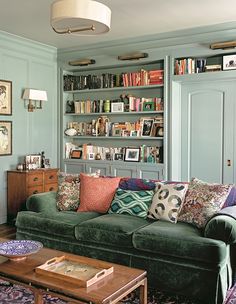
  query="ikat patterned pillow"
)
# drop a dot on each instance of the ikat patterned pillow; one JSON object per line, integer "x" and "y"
{"x": 167, "y": 201}
{"x": 202, "y": 201}
{"x": 130, "y": 202}
{"x": 67, "y": 198}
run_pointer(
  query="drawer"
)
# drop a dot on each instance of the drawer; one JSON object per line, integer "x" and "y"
{"x": 35, "y": 190}
{"x": 50, "y": 187}
{"x": 35, "y": 179}
{"x": 50, "y": 177}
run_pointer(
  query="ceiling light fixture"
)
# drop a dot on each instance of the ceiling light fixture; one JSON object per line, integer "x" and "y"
{"x": 133, "y": 56}
{"x": 86, "y": 17}
{"x": 223, "y": 45}
{"x": 82, "y": 62}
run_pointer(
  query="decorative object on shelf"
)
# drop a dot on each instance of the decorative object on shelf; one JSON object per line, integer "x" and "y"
{"x": 133, "y": 56}
{"x": 82, "y": 62}
{"x": 5, "y": 97}
{"x": 33, "y": 161}
{"x": 119, "y": 156}
{"x": 47, "y": 163}
{"x": 98, "y": 156}
{"x": 148, "y": 106}
{"x": 80, "y": 16}
{"x": 117, "y": 107}
{"x": 147, "y": 124}
{"x": 107, "y": 106}
{"x": 42, "y": 159}
{"x": 101, "y": 126}
{"x": 35, "y": 98}
{"x": 70, "y": 132}
{"x": 5, "y": 138}
{"x": 223, "y": 45}
{"x": 229, "y": 62}
{"x": 70, "y": 106}
{"x": 16, "y": 250}
{"x": 132, "y": 154}
{"x": 20, "y": 167}
{"x": 76, "y": 154}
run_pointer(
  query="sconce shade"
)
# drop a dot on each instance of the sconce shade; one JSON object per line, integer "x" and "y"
{"x": 80, "y": 16}
{"x": 32, "y": 94}
{"x": 37, "y": 96}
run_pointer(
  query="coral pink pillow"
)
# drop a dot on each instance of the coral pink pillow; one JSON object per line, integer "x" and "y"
{"x": 96, "y": 194}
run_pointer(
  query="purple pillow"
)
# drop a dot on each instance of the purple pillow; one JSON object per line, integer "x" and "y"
{"x": 136, "y": 184}
{"x": 231, "y": 198}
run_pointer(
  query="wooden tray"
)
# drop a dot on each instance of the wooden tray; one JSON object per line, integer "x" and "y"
{"x": 73, "y": 270}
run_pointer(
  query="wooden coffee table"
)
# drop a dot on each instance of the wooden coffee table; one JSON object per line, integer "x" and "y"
{"x": 110, "y": 290}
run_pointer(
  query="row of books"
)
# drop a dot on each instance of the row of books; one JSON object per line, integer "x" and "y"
{"x": 144, "y": 154}
{"x": 108, "y": 80}
{"x": 132, "y": 104}
{"x": 194, "y": 65}
{"x": 144, "y": 127}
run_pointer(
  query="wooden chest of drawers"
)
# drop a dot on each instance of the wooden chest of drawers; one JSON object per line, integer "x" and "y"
{"x": 22, "y": 184}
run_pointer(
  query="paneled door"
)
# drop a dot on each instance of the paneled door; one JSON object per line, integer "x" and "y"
{"x": 208, "y": 131}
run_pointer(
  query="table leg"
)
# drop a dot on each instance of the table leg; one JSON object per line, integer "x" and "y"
{"x": 38, "y": 296}
{"x": 143, "y": 292}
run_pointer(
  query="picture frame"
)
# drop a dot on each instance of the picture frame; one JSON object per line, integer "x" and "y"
{"x": 5, "y": 97}
{"x": 116, "y": 132}
{"x": 117, "y": 107}
{"x": 35, "y": 161}
{"x": 108, "y": 156}
{"x": 148, "y": 106}
{"x": 119, "y": 156}
{"x": 5, "y": 138}
{"x": 147, "y": 124}
{"x": 132, "y": 154}
{"x": 91, "y": 156}
{"x": 76, "y": 154}
{"x": 229, "y": 62}
{"x": 134, "y": 133}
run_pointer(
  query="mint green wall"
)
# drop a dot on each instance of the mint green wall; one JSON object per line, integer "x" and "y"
{"x": 28, "y": 64}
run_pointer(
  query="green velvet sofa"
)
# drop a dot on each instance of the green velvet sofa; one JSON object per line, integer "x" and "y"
{"x": 179, "y": 258}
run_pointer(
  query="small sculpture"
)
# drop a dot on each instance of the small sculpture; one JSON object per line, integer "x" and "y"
{"x": 101, "y": 126}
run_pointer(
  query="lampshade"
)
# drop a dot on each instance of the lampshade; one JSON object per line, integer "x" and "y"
{"x": 32, "y": 94}
{"x": 80, "y": 16}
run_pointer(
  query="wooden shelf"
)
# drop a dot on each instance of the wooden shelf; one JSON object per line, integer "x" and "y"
{"x": 115, "y": 113}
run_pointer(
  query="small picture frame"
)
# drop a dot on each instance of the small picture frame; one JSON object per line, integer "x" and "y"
{"x": 119, "y": 156}
{"x": 5, "y": 138}
{"x": 117, "y": 107}
{"x": 35, "y": 161}
{"x": 148, "y": 106}
{"x": 108, "y": 156}
{"x": 134, "y": 133}
{"x": 91, "y": 156}
{"x": 5, "y": 97}
{"x": 125, "y": 133}
{"x": 229, "y": 62}
{"x": 116, "y": 132}
{"x": 132, "y": 154}
{"x": 147, "y": 127}
{"x": 76, "y": 154}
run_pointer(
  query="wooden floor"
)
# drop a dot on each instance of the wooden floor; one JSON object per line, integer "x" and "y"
{"x": 7, "y": 231}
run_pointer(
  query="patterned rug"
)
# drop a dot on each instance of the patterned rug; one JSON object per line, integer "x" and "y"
{"x": 15, "y": 294}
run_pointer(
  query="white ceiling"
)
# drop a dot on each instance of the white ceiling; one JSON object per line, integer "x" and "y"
{"x": 130, "y": 18}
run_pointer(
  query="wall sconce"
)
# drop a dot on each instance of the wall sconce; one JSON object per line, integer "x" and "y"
{"x": 35, "y": 98}
{"x": 82, "y": 62}
{"x": 133, "y": 56}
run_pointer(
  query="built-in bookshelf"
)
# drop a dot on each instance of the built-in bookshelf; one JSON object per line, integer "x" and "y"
{"x": 111, "y": 111}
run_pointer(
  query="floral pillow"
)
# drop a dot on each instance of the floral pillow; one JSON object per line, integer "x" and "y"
{"x": 167, "y": 201}
{"x": 202, "y": 201}
{"x": 68, "y": 192}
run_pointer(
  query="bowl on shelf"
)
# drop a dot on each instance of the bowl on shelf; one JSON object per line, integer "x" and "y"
{"x": 17, "y": 250}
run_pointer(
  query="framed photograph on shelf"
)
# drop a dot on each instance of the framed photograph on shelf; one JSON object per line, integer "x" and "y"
{"x": 91, "y": 156}
{"x": 134, "y": 133}
{"x": 117, "y": 107}
{"x": 148, "y": 106}
{"x": 76, "y": 154}
{"x": 108, "y": 156}
{"x": 5, "y": 97}
{"x": 35, "y": 161}
{"x": 116, "y": 132}
{"x": 5, "y": 138}
{"x": 118, "y": 156}
{"x": 132, "y": 154}
{"x": 229, "y": 62}
{"x": 147, "y": 124}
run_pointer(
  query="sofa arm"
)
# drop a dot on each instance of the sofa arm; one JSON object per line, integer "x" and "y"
{"x": 42, "y": 202}
{"x": 221, "y": 227}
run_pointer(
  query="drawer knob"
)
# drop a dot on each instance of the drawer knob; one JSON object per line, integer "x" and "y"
{"x": 35, "y": 179}
{"x": 51, "y": 189}
{"x": 51, "y": 177}
{"x": 35, "y": 192}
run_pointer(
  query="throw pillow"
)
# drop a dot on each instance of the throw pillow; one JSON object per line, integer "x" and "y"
{"x": 96, "y": 194}
{"x": 167, "y": 201}
{"x": 136, "y": 184}
{"x": 68, "y": 192}
{"x": 131, "y": 202}
{"x": 231, "y": 198}
{"x": 202, "y": 201}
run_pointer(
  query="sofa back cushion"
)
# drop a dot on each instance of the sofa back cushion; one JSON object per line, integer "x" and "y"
{"x": 96, "y": 194}
{"x": 136, "y": 184}
{"x": 131, "y": 202}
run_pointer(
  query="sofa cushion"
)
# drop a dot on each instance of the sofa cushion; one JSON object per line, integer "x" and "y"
{"x": 130, "y": 202}
{"x": 68, "y": 192}
{"x": 96, "y": 194}
{"x": 136, "y": 184}
{"x": 61, "y": 223}
{"x": 231, "y": 198}
{"x": 167, "y": 201}
{"x": 110, "y": 229}
{"x": 183, "y": 241}
{"x": 202, "y": 201}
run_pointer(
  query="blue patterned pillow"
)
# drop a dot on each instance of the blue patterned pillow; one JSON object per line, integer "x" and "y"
{"x": 131, "y": 202}
{"x": 136, "y": 184}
